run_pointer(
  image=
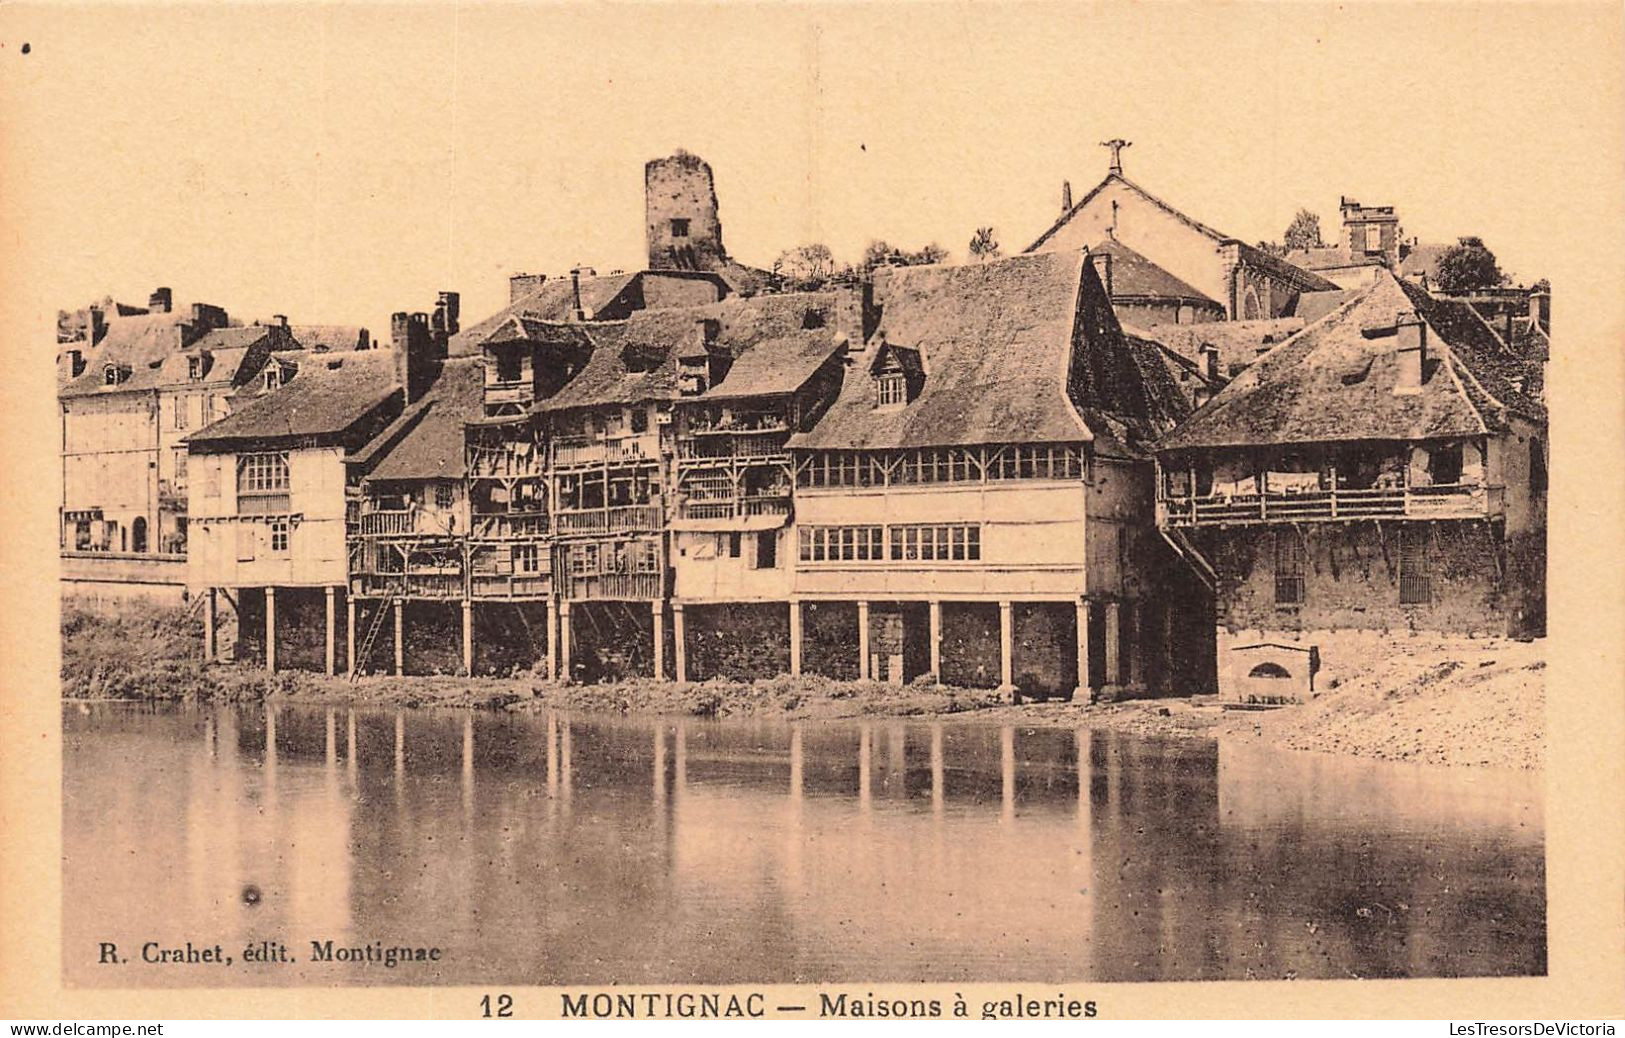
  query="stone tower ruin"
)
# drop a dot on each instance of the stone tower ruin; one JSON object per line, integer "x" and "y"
{"x": 680, "y": 203}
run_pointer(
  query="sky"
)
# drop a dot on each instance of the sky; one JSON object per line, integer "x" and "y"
{"x": 339, "y": 163}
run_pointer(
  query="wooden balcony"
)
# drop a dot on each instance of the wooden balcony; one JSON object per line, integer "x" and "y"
{"x": 727, "y": 445}
{"x": 440, "y": 584}
{"x": 403, "y": 522}
{"x": 507, "y": 461}
{"x": 513, "y": 586}
{"x": 1343, "y": 505}
{"x": 498, "y": 394}
{"x": 588, "y": 451}
{"x": 626, "y": 519}
{"x": 612, "y": 586}
{"x": 506, "y": 526}
{"x": 730, "y": 508}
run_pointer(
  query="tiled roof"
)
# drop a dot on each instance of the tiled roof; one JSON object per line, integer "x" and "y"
{"x": 147, "y": 348}
{"x": 321, "y": 337}
{"x": 323, "y": 402}
{"x": 426, "y": 442}
{"x": 1238, "y": 342}
{"x": 1335, "y": 381}
{"x": 553, "y": 300}
{"x": 1134, "y": 276}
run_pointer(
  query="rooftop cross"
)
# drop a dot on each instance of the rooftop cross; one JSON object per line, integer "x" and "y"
{"x": 1116, "y": 144}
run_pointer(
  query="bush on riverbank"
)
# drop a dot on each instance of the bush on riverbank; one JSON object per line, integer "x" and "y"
{"x": 139, "y": 650}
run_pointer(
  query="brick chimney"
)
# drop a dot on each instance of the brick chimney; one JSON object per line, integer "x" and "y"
{"x": 1103, "y": 269}
{"x": 1411, "y": 353}
{"x": 416, "y": 360}
{"x": 447, "y": 307}
{"x": 162, "y": 301}
{"x": 1210, "y": 362}
{"x": 1540, "y": 308}
{"x": 95, "y": 326}
{"x": 855, "y": 313}
{"x": 1066, "y": 196}
{"x": 522, "y": 285}
{"x": 576, "y": 308}
{"x": 279, "y": 320}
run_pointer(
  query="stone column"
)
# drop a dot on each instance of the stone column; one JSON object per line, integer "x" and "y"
{"x": 863, "y": 641}
{"x": 795, "y": 637}
{"x": 563, "y": 675}
{"x": 552, "y": 640}
{"x": 400, "y": 637}
{"x": 657, "y": 610}
{"x": 1136, "y": 654}
{"x": 679, "y": 635}
{"x": 1006, "y": 646}
{"x": 349, "y": 633}
{"x": 468, "y": 637}
{"x": 330, "y": 645}
{"x": 1114, "y": 644}
{"x": 270, "y": 629}
{"x": 936, "y": 639}
{"x": 1081, "y": 692}
{"x": 210, "y": 648}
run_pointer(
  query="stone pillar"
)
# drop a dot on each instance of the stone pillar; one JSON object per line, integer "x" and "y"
{"x": 330, "y": 645}
{"x": 679, "y": 635}
{"x": 1081, "y": 692}
{"x": 400, "y": 637}
{"x": 657, "y": 609}
{"x": 1136, "y": 654}
{"x": 795, "y": 637}
{"x": 863, "y": 641}
{"x": 563, "y": 675}
{"x": 349, "y": 633}
{"x": 468, "y": 637}
{"x": 1006, "y": 647}
{"x": 270, "y": 629}
{"x": 210, "y": 647}
{"x": 936, "y": 640}
{"x": 1114, "y": 644}
{"x": 552, "y": 640}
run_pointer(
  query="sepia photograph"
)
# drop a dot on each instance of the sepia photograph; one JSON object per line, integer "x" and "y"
{"x": 689, "y": 499}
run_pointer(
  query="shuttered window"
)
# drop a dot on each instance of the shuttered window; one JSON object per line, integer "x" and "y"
{"x": 1415, "y": 577}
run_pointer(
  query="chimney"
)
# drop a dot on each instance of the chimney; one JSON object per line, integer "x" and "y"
{"x": 279, "y": 320}
{"x": 855, "y": 312}
{"x": 706, "y": 330}
{"x": 1103, "y": 269}
{"x": 95, "y": 326}
{"x": 446, "y": 309}
{"x": 71, "y": 364}
{"x": 1540, "y": 308}
{"x": 161, "y": 301}
{"x": 1411, "y": 352}
{"x": 416, "y": 363}
{"x": 1066, "y": 196}
{"x": 575, "y": 294}
{"x": 363, "y": 340}
{"x": 1210, "y": 362}
{"x": 1508, "y": 326}
{"x": 522, "y": 285}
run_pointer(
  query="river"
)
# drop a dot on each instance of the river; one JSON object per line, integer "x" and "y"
{"x": 553, "y": 849}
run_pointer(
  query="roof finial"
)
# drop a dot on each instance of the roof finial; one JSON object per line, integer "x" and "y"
{"x": 1116, "y": 144}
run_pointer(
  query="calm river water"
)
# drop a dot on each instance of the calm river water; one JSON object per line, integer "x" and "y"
{"x": 555, "y": 849}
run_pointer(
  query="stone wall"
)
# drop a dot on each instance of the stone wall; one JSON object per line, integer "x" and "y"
{"x": 739, "y": 640}
{"x": 970, "y": 644}
{"x": 680, "y": 187}
{"x": 829, "y": 639}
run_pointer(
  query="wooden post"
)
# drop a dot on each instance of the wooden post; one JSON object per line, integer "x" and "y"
{"x": 468, "y": 637}
{"x": 863, "y": 641}
{"x": 795, "y": 637}
{"x": 1136, "y": 660}
{"x": 563, "y": 675}
{"x": 1114, "y": 643}
{"x": 210, "y": 649}
{"x": 349, "y": 633}
{"x": 1006, "y": 647}
{"x": 400, "y": 637}
{"x": 936, "y": 639}
{"x": 679, "y": 634}
{"x": 330, "y": 645}
{"x": 1081, "y": 693}
{"x": 552, "y": 640}
{"x": 657, "y": 610}
{"x": 270, "y": 629}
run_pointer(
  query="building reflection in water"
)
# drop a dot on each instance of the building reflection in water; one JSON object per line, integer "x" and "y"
{"x": 565, "y": 849}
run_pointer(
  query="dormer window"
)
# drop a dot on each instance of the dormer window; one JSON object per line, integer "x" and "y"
{"x": 891, "y": 389}
{"x": 110, "y": 376}
{"x": 194, "y": 368}
{"x": 270, "y": 378}
{"x": 679, "y": 227}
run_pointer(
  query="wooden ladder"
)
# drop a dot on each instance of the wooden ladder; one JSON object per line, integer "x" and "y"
{"x": 363, "y": 654}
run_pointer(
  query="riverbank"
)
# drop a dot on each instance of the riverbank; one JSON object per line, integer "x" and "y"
{"x": 1432, "y": 699}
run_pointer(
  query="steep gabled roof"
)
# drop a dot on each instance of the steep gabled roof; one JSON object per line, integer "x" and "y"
{"x": 1239, "y": 342}
{"x": 323, "y": 402}
{"x": 148, "y": 348}
{"x": 1334, "y": 381}
{"x": 552, "y": 300}
{"x": 777, "y": 366}
{"x": 321, "y": 338}
{"x": 1135, "y": 277}
{"x": 1330, "y": 257}
{"x": 426, "y": 442}
{"x": 1312, "y": 306}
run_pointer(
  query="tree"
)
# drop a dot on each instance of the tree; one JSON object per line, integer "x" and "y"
{"x": 983, "y": 246}
{"x": 1467, "y": 265}
{"x": 880, "y": 254}
{"x": 805, "y": 267}
{"x": 1303, "y": 232}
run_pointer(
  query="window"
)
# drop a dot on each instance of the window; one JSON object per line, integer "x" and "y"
{"x": 279, "y": 536}
{"x": 646, "y": 557}
{"x": 679, "y": 227}
{"x": 509, "y": 366}
{"x": 841, "y": 543}
{"x": 180, "y": 464}
{"x": 1415, "y": 580}
{"x": 1373, "y": 237}
{"x": 891, "y": 390}
{"x": 767, "y": 549}
{"x": 734, "y": 545}
{"x": 946, "y": 542}
{"x": 110, "y": 375}
{"x": 270, "y": 378}
{"x": 1288, "y": 568}
{"x": 640, "y": 420}
{"x": 527, "y": 558}
{"x": 1444, "y": 465}
{"x": 180, "y": 412}
{"x": 194, "y": 368}
{"x": 262, "y": 473}
{"x": 445, "y": 495}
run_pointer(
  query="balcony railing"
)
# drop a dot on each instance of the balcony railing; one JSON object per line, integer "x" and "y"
{"x": 723, "y": 443}
{"x": 412, "y": 585}
{"x": 510, "y": 585}
{"x": 404, "y": 522}
{"x": 520, "y": 392}
{"x": 501, "y": 526}
{"x": 1429, "y": 502}
{"x": 506, "y": 461}
{"x": 611, "y": 586}
{"x": 609, "y": 520}
{"x": 575, "y": 451}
